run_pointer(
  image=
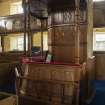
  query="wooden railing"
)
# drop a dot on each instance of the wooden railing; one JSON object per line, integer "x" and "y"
{"x": 15, "y": 24}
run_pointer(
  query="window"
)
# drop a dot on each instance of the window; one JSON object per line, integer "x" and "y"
{"x": 99, "y": 41}
{"x": 2, "y": 23}
{"x": 16, "y": 8}
{"x": 45, "y": 41}
{"x": 20, "y": 43}
{"x": 17, "y": 43}
{"x": 14, "y": 42}
{"x": 37, "y": 40}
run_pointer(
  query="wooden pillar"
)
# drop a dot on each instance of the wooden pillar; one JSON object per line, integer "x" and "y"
{"x": 41, "y": 37}
{"x": 32, "y": 33}
{"x": 25, "y": 25}
{"x": 90, "y": 28}
{"x": 77, "y": 32}
{"x": 29, "y": 31}
{"x": 2, "y": 43}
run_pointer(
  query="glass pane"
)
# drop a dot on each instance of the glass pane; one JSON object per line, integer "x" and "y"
{"x": 14, "y": 42}
{"x": 16, "y": 8}
{"x": 100, "y": 41}
{"x": 37, "y": 40}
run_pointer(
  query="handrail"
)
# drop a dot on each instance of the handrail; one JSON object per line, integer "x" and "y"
{"x": 11, "y": 16}
{"x": 15, "y": 24}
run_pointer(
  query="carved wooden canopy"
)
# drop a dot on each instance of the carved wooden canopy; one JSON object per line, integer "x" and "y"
{"x": 41, "y": 8}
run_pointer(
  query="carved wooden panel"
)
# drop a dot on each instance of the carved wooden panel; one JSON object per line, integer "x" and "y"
{"x": 63, "y": 53}
{"x": 62, "y": 43}
{"x": 66, "y": 17}
{"x": 83, "y": 16}
{"x": 65, "y": 35}
{"x": 62, "y": 35}
{"x": 59, "y": 85}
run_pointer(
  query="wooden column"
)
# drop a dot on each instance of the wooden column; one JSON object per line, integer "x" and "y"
{"x": 32, "y": 34}
{"x": 29, "y": 30}
{"x": 2, "y": 43}
{"x": 77, "y": 32}
{"x": 41, "y": 37}
{"x": 25, "y": 25}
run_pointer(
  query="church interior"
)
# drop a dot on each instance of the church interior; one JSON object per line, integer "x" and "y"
{"x": 52, "y": 52}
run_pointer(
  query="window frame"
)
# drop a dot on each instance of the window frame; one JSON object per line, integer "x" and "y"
{"x": 94, "y": 40}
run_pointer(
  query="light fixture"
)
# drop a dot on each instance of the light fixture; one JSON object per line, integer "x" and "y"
{"x": 98, "y": 0}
